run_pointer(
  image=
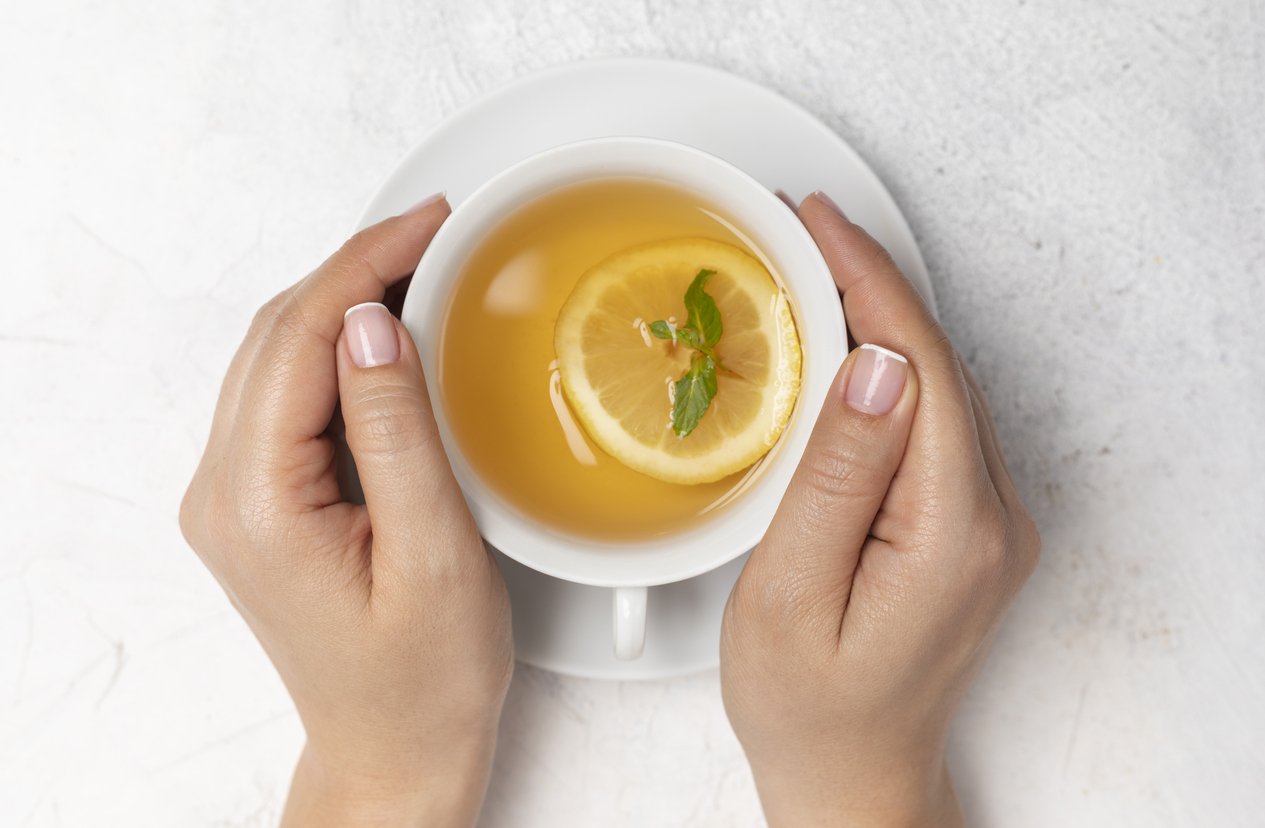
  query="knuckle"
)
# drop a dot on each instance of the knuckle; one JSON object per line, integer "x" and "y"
{"x": 357, "y": 245}
{"x": 290, "y": 323}
{"x": 939, "y": 356}
{"x": 876, "y": 256}
{"x": 991, "y": 538}
{"x": 221, "y": 513}
{"x": 1027, "y": 544}
{"x": 447, "y": 573}
{"x": 360, "y": 253}
{"x": 268, "y": 313}
{"x": 831, "y": 472}
{"x": 388, "y": 419}
{"x": 1008, "y": 546}
{"x": 209, "y": 517}
{"x": 828, "y": 475}
{"x": 840, "y": 470}
{"x": 784, "y": 604}
{"x": 190, "y": 514}
{"x": 282, "y": 319}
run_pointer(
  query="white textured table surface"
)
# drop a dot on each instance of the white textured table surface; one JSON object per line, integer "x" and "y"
{"x": 1088, "y": 185}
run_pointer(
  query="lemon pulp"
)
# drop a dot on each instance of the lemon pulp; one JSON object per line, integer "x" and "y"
{"x": 617, "y": 377}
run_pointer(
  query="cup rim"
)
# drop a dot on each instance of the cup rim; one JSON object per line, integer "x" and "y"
{"x": 777, "y": 233}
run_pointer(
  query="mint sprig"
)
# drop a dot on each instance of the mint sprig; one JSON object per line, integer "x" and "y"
{"x": 695, "y": 390}
{"x": 704, "y": 316}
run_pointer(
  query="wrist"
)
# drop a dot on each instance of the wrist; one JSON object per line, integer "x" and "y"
{"x": 331, "y": 790}
{"x": 918, "y": 798}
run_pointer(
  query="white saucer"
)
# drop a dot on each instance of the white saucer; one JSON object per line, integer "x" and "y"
{"x": 559, "y": 625}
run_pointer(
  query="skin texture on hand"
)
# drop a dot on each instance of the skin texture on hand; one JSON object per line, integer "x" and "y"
{"x": 858, "y": 624}
{"x": 388, "y": 622}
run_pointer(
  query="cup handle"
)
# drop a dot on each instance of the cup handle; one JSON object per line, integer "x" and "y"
{"x": 629, "y": 619}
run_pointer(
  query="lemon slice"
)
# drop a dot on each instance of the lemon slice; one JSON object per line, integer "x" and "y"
{"x": 617, "y": 376}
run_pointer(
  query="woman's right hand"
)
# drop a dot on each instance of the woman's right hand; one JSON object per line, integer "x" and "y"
{"x": 859, "y": 622}
{"x": 388, "y": 619}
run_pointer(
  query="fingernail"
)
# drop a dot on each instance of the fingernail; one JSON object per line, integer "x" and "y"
{"x": 787, "y": 200}
{"x": 877, "y": 378}
{"x": 830, "y": 202}
{"x": 424, "y": 203}
{"x": 371, "y": 335}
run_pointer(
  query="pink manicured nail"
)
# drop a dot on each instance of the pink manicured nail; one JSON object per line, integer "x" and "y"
{"x": 371, "y": 335}
{"x": 830, "y": 202}
{"x": 424, "y": 203}
{"x": 878, "y": 377}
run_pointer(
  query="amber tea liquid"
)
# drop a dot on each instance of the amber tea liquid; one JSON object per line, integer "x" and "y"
{"x": 498, "y": 379}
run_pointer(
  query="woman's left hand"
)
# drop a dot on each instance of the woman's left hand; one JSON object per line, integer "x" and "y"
{"x": 389, "y": 621}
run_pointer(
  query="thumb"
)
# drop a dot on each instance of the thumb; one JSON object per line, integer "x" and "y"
{"x": 814, "y": 542}
{"x": 416, "y": 509}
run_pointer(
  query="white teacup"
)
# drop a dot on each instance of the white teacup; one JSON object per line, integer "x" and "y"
{"x": 630, "y": 568}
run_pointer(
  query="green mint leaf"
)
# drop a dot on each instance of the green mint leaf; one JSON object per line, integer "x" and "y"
{"x": 690, "y": 337}
{"x": 661, "y": 329}
{"x": 693, "y": 393}
{"x": 704, "y": 316}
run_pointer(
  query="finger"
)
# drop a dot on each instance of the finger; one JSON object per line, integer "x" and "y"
{"x": 814, "y": 541}
{"x": 1024, "y": 541}
{"x": 880, "y": 304}
{"x": 223, "y": 422}
{"x": 989, "y": 444}
{"x": 882, "y": 307}
{"x": 229, "y": 400}
{"x": 400, "y": 460}
{"x": 395, "y": 295}
{"x": 293, "y": 383}
{"x": 262, "y": 323}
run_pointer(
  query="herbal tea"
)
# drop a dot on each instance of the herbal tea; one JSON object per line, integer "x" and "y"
{"x": 616, "y": 360}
